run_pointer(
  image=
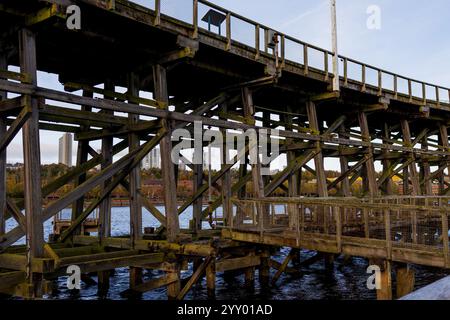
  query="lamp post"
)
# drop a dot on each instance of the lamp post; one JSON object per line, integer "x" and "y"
{"x": 334, "y": 46}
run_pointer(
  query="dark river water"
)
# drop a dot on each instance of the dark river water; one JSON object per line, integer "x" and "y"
{"x": 346, "y": 281}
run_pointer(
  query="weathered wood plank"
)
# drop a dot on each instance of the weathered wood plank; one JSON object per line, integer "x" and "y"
{"x": 237, "y": 263}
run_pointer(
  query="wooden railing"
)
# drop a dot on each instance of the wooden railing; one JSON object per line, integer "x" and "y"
{"x": 411, "y": 223}
{"x": 440, "y": 94}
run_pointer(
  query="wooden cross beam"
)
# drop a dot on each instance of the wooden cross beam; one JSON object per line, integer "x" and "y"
{"x": 138, "y": 154}
{"x": 349, "y": 172}
{"x": 15, "y": 128}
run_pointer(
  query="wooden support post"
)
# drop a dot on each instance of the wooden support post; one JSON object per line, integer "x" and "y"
{"x": 104, "y": 230}
{"x": 413, "y": 175}
{"x": 227, "y": 209}
{"x": 32, "y": 163}
{"x": 211, "y": 280}
{"x": 3, "y": 96}
{"x": 425, "y": 171}
{"x": 198, "y": 203}
{"x": 103, "y": 283}
{"x": 443, "y": 135}
{"x": 322, "y": 188}
{"x": 405, "y": 281}
{"x": 135, "y": 184}
{"x": 264, "y": 268}
{"x": 387, "y": 185}
{"x": 174, "y": 288}
{"x": 167, "y": 167}
{"x": 328, "y": 259}
{"x": 385, "y": 292}
{"x": 370, "y": 177}
{"x": 258, "y": 185}
{"x": 82, "y": 157}
{"x": 105, "y": 206}
{"x": 250, "y": 278}
{"x": 135, "y": 174}
{"x": 345, "y": 185}
{"x": 294, "y": 178}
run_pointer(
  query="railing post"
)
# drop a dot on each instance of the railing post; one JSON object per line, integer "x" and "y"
{"x": 424, "y": 93}
{"x": 445, "y": 242}
{"x": 410, "y": 89}
{"x": 325, "y": 65}
{"x": 266, "y": 40}
{"x": 283, "y": 50}
{"x": 195, "y": 19}
{"x": 395, "y": 86}
{"x": 363, "y": 77}
{"x": 380, "y": 82}
{"x": 345, "y": 71}
{"x": 157, "y": 12}
{"x": 257, "y": 41}
{"x": 366, "y": 223}
{"x": 338, "y": 217}
{"x": 438, "y": 100}
{"x": 305, "y": 58}
{"x": 387, "y": 226}
{"x": 228, "y": 48}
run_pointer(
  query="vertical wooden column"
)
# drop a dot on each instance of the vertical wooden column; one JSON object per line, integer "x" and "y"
{"x": 174, "y": 288}
{"x": 264, "y": 268}
{"x": 167, "y": 167}
{"x": 249, "y": 276}
{"x": 32, "y": 163}
{"x": 322, "y": 213}
{"x": 104, "y": 230}
{"x": 3, "y": 96}
{"x": 406, "y": 181}
{"x": 427, "y": 188}
{"x": 322, "y": 188}
{"x": 242, "y": 192}
{"x": 387, "y": 163}
{"x": 211, "y": 279}
{"x": 345, "y": 185}
{"x": 135, "y": 183}
{"x": 258, "y": 184}
{"x": 227, "y": 208}
{"x": 293, "y": 180}
{"x": 413, "y": 175}
{"x": 385, "y": 292}
{"x": 198, "y": 203}
{"x": 105, "y": 206}
{"x": 82, "y": 157}
{"x": 443, "y": 133}
{"x": 405, "y": 281}
{"x": 370, "y": 178}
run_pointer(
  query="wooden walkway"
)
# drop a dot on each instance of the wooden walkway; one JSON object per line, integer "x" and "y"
{"x": 132, "y": 75}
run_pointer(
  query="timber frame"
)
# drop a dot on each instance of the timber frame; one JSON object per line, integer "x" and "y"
{"x": 196, "y": 75}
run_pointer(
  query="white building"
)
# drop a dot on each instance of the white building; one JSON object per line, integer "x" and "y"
{"x": 65, "y": 150}
{"x": 152, "y": 160}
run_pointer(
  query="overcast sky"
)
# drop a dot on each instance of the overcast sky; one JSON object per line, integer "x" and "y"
{"x": 412, "y": 40}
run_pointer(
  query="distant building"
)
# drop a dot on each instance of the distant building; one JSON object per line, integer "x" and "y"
{"x": 152, "y": 160}
{"x": 65, "y": 150}
{"x": 14, "y": 166}
{"x": 182, "y": 166}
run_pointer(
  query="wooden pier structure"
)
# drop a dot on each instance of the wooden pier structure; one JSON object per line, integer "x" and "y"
{"x": 195, "y": 74}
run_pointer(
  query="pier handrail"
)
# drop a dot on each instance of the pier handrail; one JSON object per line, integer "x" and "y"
{"x": 437, "y": 99}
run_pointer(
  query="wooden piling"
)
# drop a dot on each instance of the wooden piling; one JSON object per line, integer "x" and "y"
{"x": 167, "y": 166}
{"x": 32, "y": 165}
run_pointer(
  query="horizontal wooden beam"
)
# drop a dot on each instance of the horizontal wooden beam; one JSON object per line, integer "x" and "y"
{"x": 237, "y": 263}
